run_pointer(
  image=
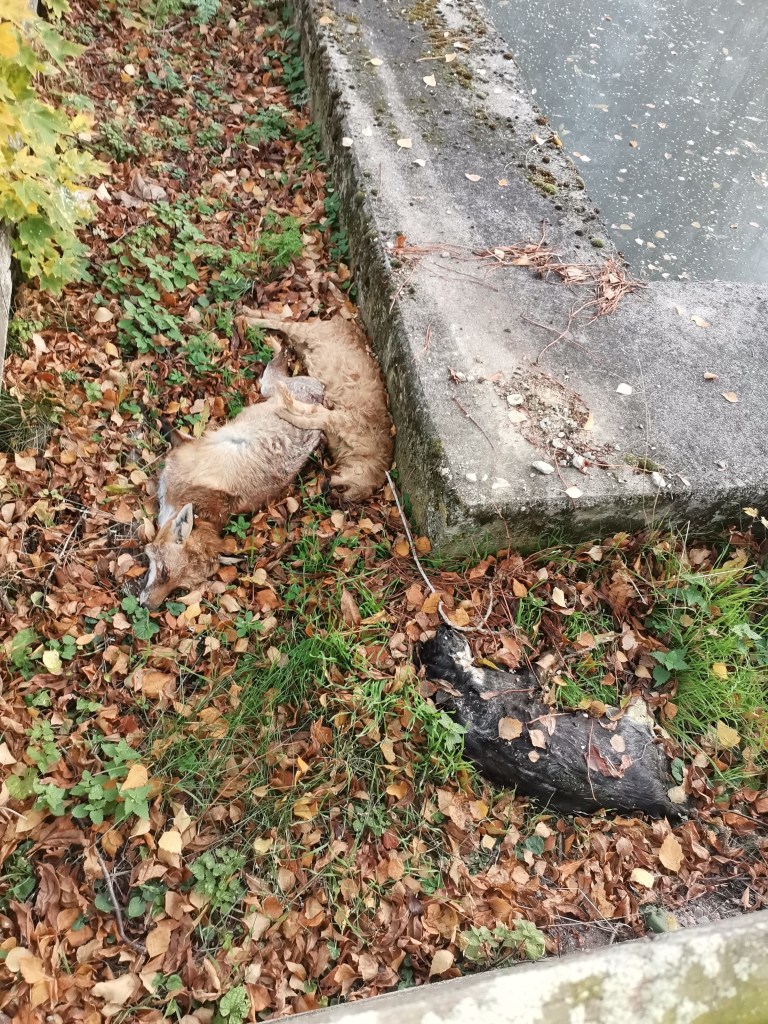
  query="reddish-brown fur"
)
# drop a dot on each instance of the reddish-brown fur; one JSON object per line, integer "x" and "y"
{"x": 236, "y": 468}
{"x": 357, "y": 423}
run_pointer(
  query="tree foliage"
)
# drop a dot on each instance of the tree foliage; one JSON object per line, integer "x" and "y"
{"x": 41, "y": 167}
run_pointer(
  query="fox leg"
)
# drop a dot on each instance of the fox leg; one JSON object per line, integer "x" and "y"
{"x": 305, "y": 415}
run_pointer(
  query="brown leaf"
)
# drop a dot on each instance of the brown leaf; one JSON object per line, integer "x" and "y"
{"x": 22, "y": 961}
{"x": 441, "y": 962}
{"x": 510, "y": 728}
{"x": 671, "y": 853}
{"x": 136, "y": 778}
{"x": 116, "y": 992}
{"x": 349, "y": 610}
{"x": 159, "y": 939}
{"x": 537, "y": 737}
{"x": 147, "y": 190}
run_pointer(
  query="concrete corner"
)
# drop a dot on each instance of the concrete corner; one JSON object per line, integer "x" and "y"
{"x": 452, "y": 156}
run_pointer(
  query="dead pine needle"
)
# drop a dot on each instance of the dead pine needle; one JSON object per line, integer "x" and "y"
{"x": 430, "y": 586}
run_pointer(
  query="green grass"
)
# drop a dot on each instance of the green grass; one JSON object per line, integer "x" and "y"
{"x": 708, "y": 634}
{"x": 306, "y": 746}
{"x": 718, "y": 623}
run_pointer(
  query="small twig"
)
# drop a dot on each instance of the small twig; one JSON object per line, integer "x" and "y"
{"x": 430, "y": 585}
{"x": 472, "y": 418}
{"x": 138, "y": 946}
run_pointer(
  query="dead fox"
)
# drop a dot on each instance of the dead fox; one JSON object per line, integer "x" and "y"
{"x": 356, "y": 423}
{"x": 236, "y": 468}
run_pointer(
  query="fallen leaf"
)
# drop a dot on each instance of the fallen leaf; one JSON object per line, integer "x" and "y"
{"x": 472, "y": 177}
{"x": 537, "y": 737}
{"x": 558, "y": 597}
{"x": 510, "y": 728}
{"x": 376, "y": 61}
{"x": 116, "y": 992}
{"x": 700, "y": 321}
{"x": 26, "y": 463}
{"x": 727, "y": 736}
{"x": 671, "y": 853}
{"x": 642, "y": 877}
{"x": 730, "y": 396}
{"x": 720, "y": 670}
{"x": 22, "y": 961}
{"x": 52, "y": 661}
{"x": 441, "y": 962}
{"x": 710, "y": 376}
{"x": 159, "y": 939}
{"x": 430, "y": 80}
{"x": 103, "y": 315}
{"x": 349, "y": 610}
{"x": 170, "y": 841}
{"x": 404, "y": 143}
{"x": 136, "y": 778}
{"x": 147, "y": 190}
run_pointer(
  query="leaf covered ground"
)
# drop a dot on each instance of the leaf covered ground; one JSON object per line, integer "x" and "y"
{"x": 246, "y": 804}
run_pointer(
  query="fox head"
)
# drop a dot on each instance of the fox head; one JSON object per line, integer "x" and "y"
{"x": 182, "y": 555}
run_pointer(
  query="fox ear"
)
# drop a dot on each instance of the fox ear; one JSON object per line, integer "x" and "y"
{"x": 182, "y": 524}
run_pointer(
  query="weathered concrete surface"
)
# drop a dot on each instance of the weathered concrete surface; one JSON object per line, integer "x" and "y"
{"x": 717, "y": 974}
{"x": 455, "y": 337}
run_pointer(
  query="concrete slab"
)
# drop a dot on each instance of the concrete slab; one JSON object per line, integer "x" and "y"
{"x": 455, "y": 334}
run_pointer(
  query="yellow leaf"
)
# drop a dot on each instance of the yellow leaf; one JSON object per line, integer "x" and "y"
{"x": 720, "y": 670}
{"x": 726, "y": 736}
{"x": 52, "y": 662}
{"x": 170, "y": 841}
{"x": 751, "y": 512}
{"x": 9, "y": 45}
{"x": 642, "y": 877}
{"x": 136, "y": 778}
{"x": 26, "y": 463}
{"x": 671, "y": 853}
{"x": 441, "y": 962}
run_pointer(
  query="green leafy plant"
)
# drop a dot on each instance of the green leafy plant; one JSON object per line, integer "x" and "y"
{"x": 670, "y": 662}
{"x": 17, "y": 876}
{"x": 483, "y": 946}
{"x": 143, "y": 627}
{"x": 216, "y": 876}
{"x": 41, "y": 167}
{"x": 233, "y": 1007}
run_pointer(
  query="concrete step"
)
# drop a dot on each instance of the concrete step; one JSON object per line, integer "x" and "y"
{"x": 628, "y": 410}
